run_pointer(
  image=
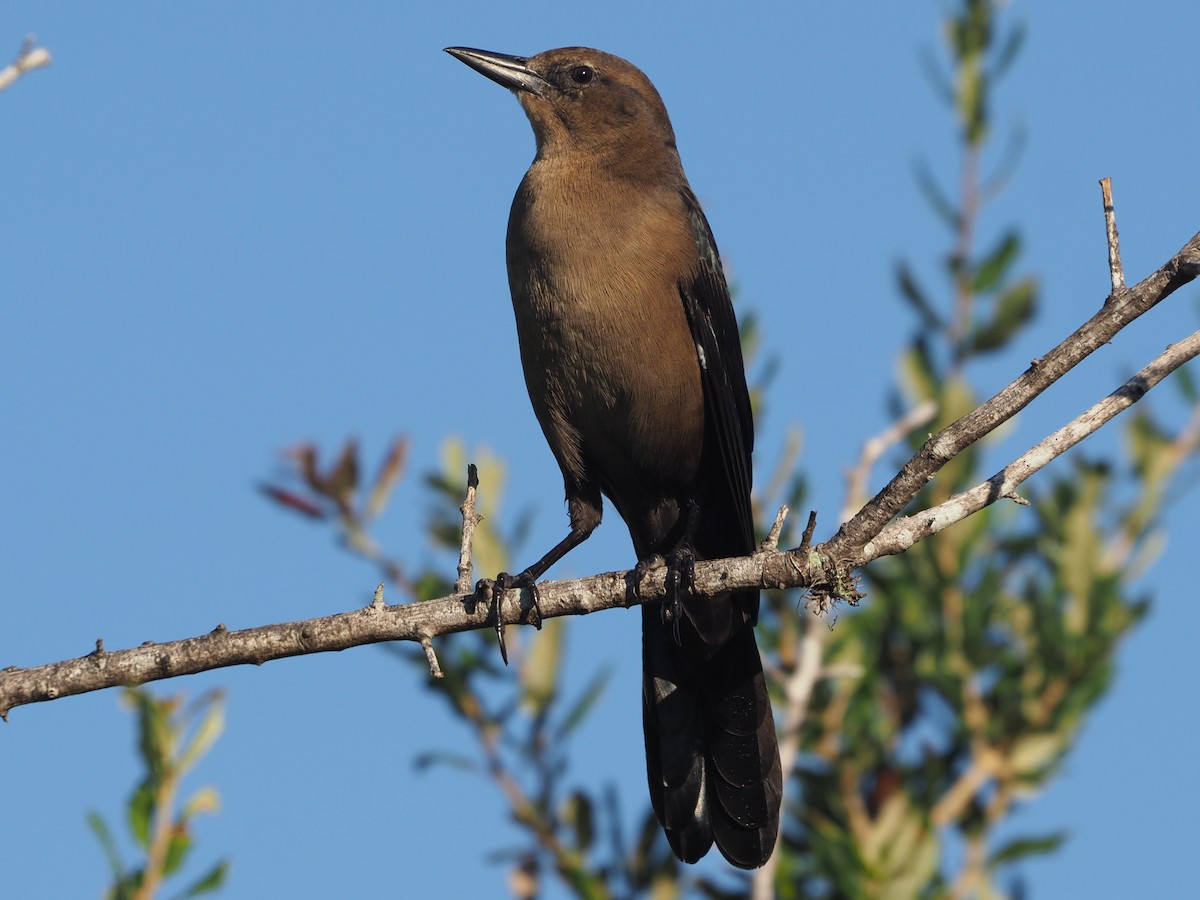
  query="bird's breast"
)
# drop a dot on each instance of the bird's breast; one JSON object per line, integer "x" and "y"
{"x": 608, "y": 354}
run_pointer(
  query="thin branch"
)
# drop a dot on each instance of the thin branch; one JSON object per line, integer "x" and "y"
{"x": 1115, "y": 271}
{"x": 942, "y": 447}
{"x": 809, "y": 668}
{"x": 859, "y": 476}
{"x": 987, "y": 763}
{"x": 463, "y": 584}
{"x": 826, "y": 569}
{"x": 435, "y": 668}
{"x": 27, "y": 59}
{"x": 797, "y": 691}
{"x": 903, "y": 533}
{"x": 771, "y": 541}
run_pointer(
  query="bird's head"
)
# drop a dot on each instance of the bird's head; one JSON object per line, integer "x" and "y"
{"x": 579, "y": 99}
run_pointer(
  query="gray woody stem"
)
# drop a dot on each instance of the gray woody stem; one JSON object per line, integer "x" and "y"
{"x": 825, "y": 569}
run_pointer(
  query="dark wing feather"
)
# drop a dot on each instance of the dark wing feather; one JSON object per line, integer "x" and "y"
{"x": 718, "y": 345}
{"x": 712, "y": 758}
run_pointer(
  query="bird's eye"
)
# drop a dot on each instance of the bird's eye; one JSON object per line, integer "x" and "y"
{"x": 582, "y": 74}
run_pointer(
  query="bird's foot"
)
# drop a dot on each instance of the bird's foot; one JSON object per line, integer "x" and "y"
{"x": 680, "y": 579}
{"x": 639, "y": 574}
{"x": 503, "y": 583}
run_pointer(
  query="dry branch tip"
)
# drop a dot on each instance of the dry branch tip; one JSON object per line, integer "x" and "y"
{"x": 470, "y": 519}
{"x": 377, "y": 601}
{"x": 806, "y": 538}
{"x": 435, "y": 670}
{"x": 1115, "y": 270}
{"x": 771, "y": 541}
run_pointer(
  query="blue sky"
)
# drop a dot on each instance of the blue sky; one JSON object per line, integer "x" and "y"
{"x": 229, "y": 227}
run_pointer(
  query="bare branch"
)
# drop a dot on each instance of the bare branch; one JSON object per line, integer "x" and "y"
{"x": 797, "y": 691}
{"x": 463, "y": 584}
{"x": 771, "y": 541}
{"x": 1114, "y": 315}
{"x": 873, "y": 449}
{"x": 903, "y": 533}
{"x": 826, "y": 569}
{"x": 28, "y": 58}
{"x": 435, "y": 668}
{"x": 799, "y": 684}
{"x": 1115, "y": 271}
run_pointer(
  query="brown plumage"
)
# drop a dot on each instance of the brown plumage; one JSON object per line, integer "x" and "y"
{"x": 634, "y": 368}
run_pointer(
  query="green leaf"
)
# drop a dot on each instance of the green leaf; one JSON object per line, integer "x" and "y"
{"x": 1034, "y": 754}
{"x": 912, "y": 292}
{"x": 430, "y": 586}
{"x": 445, "y": 758}
{"x": 141, "y": 813}
{"x": 942, "y": 206}
{"x": 751, "y": 335}
{"x": 1020, "y": 848}
{"x": 205, "y": 800}
{"x": 1008, "y": 51}
{"x": 155, "y": 734}
{"x": 937, "y": 78}
{"x": 1014, "y": 309}
{"x": 177, "y": 850}
{"x": 107, "y": 843}
{"x": 586, "y": 701}
{"x": 387, "y": 478}
{"x": 917, "y": 372}
{"x": 126, "y": 886}
{"x": 580, "y": 816}
{"x": 206, "y": 734}
{"x": 990, "y": 272}
{"x": 214, "y": 880}
{"x": 1147, "y": 441}
{"x": 539, "y": 674}
{"x": 1187, "y": 384}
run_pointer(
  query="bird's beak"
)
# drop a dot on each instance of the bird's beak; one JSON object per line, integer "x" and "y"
{"x": 512, "y": 72}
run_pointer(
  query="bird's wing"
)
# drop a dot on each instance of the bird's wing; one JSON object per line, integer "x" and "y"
{"x": 730, "y": 429}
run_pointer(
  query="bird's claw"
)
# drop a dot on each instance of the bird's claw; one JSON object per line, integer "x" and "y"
{"x": 503, "y": 583}
{"x": 679, "y": 580}
{"x": 639, "y": 574}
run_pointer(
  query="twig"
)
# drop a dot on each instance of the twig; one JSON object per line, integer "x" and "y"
{"x": 463, "y": 584}
{"x": 809, "y": 528}
{"x": 903, "y": 533}
{"x": 434, "y": 668}
{"x": 798, "y": 687}
{"x": 1114, "y": 241}
{"x": 953, "y": 804}
{"x": 797, "y": 691}
{"x": 771, "y": 541}
{"x": 27, "y": 59}
{"x": 942, "y": 447}
{"x": 825, "y": 568}
{"x": 873, "y": 448}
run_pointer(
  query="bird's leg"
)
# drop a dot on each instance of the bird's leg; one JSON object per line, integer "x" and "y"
{"x": 681, "y": 570}
{"x": 640, "y": 571}
{"x": 528, "y": 580}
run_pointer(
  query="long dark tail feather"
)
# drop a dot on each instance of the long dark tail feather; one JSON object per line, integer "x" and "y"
{"x": 711, "y": 754}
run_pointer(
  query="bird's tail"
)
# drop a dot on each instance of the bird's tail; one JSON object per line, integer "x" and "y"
{"x": 711, "y": 752}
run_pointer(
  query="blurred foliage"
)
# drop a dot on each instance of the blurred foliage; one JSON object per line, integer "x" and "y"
{"x": 913, "y": 725}
{"x": 981, "y": 650}
{"x": 172, "y": 739}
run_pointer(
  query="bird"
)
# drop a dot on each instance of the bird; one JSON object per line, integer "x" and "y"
{"x": 633, "y": 364}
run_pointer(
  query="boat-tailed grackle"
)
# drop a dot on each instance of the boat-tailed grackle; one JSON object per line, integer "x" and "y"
{"x": 634, "y": 368}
